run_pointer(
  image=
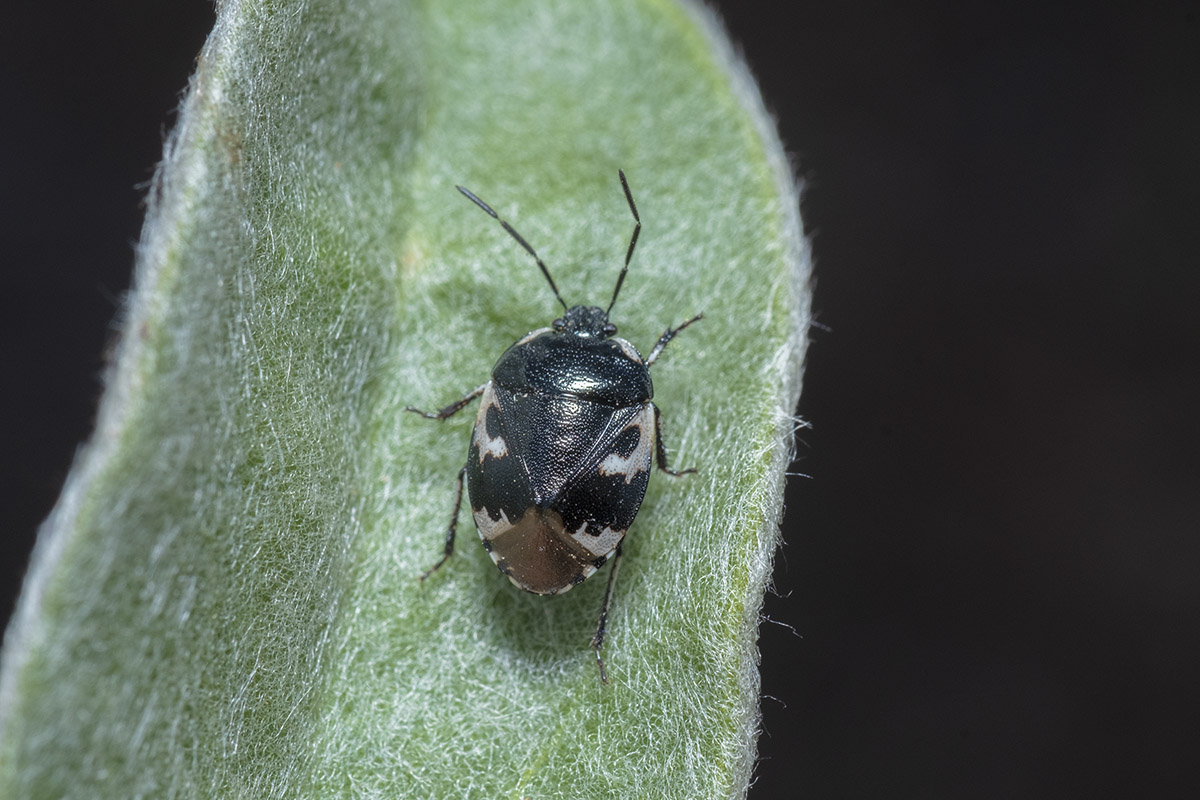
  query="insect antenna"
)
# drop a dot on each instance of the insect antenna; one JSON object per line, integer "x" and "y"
{"x": 521, "y": 241}
{"x": 637, "y": 228}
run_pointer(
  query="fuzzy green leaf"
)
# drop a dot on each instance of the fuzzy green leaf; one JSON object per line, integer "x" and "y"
{"x": 225, "y": 601}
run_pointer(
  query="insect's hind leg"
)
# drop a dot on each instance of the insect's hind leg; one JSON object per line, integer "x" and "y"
{"x": 660, "y": 449}
{"x": 450, "y": 532}
{"x": 602, "y": 623}
{"x": 453, "y": 408}
{"x": 666, "y": 338}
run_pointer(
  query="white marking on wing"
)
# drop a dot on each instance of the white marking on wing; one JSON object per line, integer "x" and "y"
{"x": 490, "y": 528}
{"x": 600, "y": 545}
{"x": 493, "y": 446}
{"x": 639, "y": 459}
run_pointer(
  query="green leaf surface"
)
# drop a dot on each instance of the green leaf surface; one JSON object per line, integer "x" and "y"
{"x": 225, "y": 601}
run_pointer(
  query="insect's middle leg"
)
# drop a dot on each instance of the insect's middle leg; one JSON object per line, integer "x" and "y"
{"x": 453, "y": 408}
{"x": 660, "y": 449}
{"x": 450, "y": 532}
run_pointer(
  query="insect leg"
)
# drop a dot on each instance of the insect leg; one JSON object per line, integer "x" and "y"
{"x": 602, "y": 624}
{"x": 661, "y": 449}
{"x": 449, "y": 550}
{"x": 451, "y": 409}
{"x": 667, "y": 336}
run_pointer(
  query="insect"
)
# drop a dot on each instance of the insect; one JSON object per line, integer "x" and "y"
{"x": 560, "y": 453}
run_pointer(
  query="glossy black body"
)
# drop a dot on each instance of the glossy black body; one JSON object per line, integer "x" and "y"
{"x": 565, "y": 401}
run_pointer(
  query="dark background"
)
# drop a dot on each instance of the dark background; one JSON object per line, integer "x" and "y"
{"x": 992, "y": 572}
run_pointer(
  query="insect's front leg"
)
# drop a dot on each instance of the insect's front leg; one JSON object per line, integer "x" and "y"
{"x": 661, "y": 449}
{"x": 667, "y": 336}
{"x": 453, "y": 408}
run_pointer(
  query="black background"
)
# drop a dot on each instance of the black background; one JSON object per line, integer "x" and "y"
{"x": 992, "y": 572}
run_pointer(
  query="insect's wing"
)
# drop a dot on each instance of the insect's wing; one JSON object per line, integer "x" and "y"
{"x": 498, "y": 479}
{"x": 606, "y": 488}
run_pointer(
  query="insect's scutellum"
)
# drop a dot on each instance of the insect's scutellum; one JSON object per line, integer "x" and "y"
{"x": 552, "y": 506}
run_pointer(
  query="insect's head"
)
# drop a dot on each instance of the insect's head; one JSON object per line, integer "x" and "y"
{"x": 587, "y": 321}
{"x": 580, "y": 320}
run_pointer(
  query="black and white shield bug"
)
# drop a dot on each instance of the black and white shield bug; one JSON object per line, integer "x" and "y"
{"x": 560, "y": 454}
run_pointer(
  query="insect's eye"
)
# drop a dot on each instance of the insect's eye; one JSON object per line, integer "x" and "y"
{"x": 558, "y": 324}
{"x": 610, "y": 329}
